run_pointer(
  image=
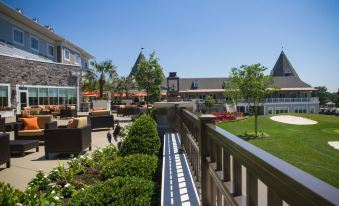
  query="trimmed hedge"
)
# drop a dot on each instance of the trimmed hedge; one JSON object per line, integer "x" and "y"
{"x": 138, "y": 165}
{"x": 118, "y": 191}
{"x": 142, "y": 138}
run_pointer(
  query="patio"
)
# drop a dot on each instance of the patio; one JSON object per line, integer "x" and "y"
{"x": 23, "y": 169}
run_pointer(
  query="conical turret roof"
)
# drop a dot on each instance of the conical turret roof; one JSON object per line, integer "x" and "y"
{"x": 283, "y": 67}
{"x": 140, "y": 58}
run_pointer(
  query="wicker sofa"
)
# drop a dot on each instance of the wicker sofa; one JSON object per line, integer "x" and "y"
{"x": 101, "y": 119}
{"x": 44, "y": 122}
{"x": 5, "y": 155}
{"x": 69, "y": 140}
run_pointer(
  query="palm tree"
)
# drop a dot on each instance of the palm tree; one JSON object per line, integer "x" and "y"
{"x": 90, "y": 80}
{"x": 104, "y": 68}
{"x": 127, "y": 84}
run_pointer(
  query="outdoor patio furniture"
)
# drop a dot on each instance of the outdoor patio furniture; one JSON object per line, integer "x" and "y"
{"x": 68, "y": 113}
{"x": 5, "y": 156}
{"x": 2, "y": 124}
{"x": 69, "y": 140}
{"x": 101, "y": 119}
{"x": 128, "y": 110}
{"x": 9, "y": 126}
{"x": 21, "y": 146}
{"x": 44, "y": 122}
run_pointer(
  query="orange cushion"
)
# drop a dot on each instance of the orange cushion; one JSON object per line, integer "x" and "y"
{"x": 30, "y": 123}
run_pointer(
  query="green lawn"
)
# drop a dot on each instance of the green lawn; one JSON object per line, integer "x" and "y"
{"x": 305, "y": 147}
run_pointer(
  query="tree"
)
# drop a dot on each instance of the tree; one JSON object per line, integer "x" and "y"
{"x": 127, "y": 83}
{"x": 104, "y": 68}
{"x": 149, "y": 76}
{"x": 232, "y": 92}
{"x": 253, "y": 86}
{"x": 323, "y": 94}
{"x": 209, "y": 102}
{"x": 90, "y": 80}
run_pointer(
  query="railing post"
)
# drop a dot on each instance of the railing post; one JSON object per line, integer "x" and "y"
{"x": 204, "y": 152}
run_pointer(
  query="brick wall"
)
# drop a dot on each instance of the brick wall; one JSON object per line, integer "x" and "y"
{"x": 15, "y": 71}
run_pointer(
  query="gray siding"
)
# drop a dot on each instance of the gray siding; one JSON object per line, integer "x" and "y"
{"x": 6, "y": 34}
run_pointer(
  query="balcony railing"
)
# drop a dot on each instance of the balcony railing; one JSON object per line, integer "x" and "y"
{"x": 219, "y": 160}
{"x": 282, "y": 100}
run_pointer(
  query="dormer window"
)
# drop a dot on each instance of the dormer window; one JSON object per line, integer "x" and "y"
{"x": 287, "y": 72}
{"x": 195, "y": 85}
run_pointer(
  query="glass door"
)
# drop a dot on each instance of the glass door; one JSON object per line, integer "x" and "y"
{"x": 23, "y": 101}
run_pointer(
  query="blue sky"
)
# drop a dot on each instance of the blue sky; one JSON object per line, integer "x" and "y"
{"x": 200, "y": 38}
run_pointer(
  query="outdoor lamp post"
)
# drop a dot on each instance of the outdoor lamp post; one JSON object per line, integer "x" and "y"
{"x": 173, "y": 87}
{"x": 77, "y": 75}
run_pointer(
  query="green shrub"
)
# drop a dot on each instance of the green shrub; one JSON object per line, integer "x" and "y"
{"x": 142, "y": 138}
{"x": 8, "y": 195}
{"x": 117, "y": 191}
{"x": 139, "y": 165}
{"x": 80, "y": 163}
{"x": 33, "y": 197}
{"x": 103, "y": 155}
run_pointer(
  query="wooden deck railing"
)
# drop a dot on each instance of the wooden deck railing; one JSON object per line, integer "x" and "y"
{"x": 220, "y": 160}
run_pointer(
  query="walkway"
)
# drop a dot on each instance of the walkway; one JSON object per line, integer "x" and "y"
{"x": 177, "y": 182}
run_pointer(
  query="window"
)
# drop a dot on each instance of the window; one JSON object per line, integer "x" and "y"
{"x": 4, "y": 96}
{"x": 312, "y": 110}
{"x": 62, "y": 96}
{"x": 33, "y": 97}
{"x": 270, "y": 110}
{"x": 50, "y": 50}
{"x": 300, "y": 109}
{"x": 195, "y": 84}
{"x": 71, "y": 96}
{"x": 34, "y": 44}
{"x": 18, "y": 36}
{"x": 281, "y": 110}
{"x": 53, "y": 96}
{"x": 43, "y": 96}
{"x": 77, "y": 59}
{"x": 67, "y": 54}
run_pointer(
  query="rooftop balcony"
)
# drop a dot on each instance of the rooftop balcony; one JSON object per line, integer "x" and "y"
{"x": 230, "y": 171}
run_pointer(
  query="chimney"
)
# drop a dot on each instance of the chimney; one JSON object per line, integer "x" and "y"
{"x": 19, "y": 10}
{"x": 49, "y": 27}
{"x": 36, "y": 20}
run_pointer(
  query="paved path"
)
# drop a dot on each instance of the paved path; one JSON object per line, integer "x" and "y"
{"x": 23, "y": 169}
{"x": 178, "y": 186}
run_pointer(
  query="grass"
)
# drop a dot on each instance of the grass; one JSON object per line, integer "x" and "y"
{"x": 303, "y": 146}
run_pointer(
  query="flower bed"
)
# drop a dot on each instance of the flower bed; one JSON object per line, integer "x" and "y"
{"x": 106, "y": 177}
{"x": 225, "y": 116}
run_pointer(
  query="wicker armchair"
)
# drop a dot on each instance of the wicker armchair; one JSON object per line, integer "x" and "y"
{"x": 101, "y": 119}
{"x": 5, "y": 155}
{"x": 2, "y": 124}
{"x": 68, "y": 113}
{"x": 68, "y": 140}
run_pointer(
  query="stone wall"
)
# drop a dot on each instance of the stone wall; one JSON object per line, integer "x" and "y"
{"x": 16, "y": 71}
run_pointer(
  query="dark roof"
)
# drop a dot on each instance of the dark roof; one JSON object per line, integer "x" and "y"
{"x": 289, "y": 82}
{"x": 283, "y": 67}
{"x": 140, "y": 58}
{"x": 203, "y": 83}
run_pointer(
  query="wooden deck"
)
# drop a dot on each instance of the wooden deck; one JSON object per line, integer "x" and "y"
{"x": 177, "y": 182}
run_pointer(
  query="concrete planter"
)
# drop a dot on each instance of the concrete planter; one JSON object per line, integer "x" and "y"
{"x": 101, "y": 104}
